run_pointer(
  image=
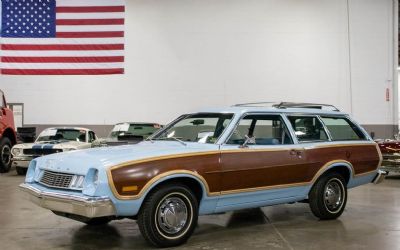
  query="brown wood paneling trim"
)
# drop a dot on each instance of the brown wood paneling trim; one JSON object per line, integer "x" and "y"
{"x": 207, "y": 168}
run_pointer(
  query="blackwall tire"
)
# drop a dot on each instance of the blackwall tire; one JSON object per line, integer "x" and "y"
{"x": 5, "y": 155}
{"x": 168, "y": 216}
{"x": 328, "y": 196}
{"x": 21, "y": 171}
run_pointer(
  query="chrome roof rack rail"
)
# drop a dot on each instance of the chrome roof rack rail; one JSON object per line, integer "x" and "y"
{"x": 286, "y": 105}
{"x": 256, "y": 104}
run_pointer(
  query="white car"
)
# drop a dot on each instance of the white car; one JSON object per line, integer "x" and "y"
{"x": 50, "y": 141}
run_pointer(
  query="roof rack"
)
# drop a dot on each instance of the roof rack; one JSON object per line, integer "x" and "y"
{"x": 285, "y": 105}
{"x": 255, "y": 104}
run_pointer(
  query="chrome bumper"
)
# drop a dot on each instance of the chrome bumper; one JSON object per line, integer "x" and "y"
{"x": 89, "y": 207}
{"x": 390, "y": 168}
{"x": 22, "y": 162}
{"x": 380, "y": 176}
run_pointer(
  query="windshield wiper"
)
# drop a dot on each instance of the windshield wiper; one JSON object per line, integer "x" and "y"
{"x": 174, "y": 138}
{"x": 149, "y": 139}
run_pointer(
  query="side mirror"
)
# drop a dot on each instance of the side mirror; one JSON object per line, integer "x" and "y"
{"x": 249, "y": 140}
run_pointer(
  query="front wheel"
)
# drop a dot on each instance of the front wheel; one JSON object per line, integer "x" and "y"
{"x": 5, "y": 155}
{"x": 168, "y": 216}
{"x": 328, "y": 196}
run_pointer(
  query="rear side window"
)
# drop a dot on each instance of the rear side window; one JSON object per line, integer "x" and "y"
{"x": 308, "y": 128}
{"x": 342, "y": 129}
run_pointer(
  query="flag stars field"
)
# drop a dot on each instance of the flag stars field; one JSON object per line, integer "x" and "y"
{"x": 62, "y": 37}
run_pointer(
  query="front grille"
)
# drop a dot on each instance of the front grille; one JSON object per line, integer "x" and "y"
{"x": 56, "y": 180}
{"x": 41, "y": 151}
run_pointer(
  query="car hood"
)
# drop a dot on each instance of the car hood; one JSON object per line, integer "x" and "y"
{"x": 81, "y": 160}
{"x": 51, "y": 145}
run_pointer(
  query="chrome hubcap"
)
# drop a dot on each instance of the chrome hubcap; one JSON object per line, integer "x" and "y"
{"x": 172, "y": 215}
{"x": 333, "y": 196}
{"x": 6, "y": 155}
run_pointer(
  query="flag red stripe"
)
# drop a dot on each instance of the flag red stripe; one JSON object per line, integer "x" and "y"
{"x": 90, "y": 21}
{"x": 62, "y": 47}
{"x": 62, "y": 59}
{"x": 91, "y": 9}
{"x": 62, "y": 71}
{"x": 90, "y": 34}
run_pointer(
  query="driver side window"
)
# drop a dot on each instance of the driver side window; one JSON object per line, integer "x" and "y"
{"x": 265, "y": 129}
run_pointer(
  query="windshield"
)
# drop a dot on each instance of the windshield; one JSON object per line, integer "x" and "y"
{"x": 127, "y": 129}
{"x": 62, "y": 135}
{"x": 203, "y": 128}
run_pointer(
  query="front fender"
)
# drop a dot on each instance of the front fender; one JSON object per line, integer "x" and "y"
{"x": 131, "y": 206}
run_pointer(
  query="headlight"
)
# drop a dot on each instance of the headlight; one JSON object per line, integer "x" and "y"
{"x": 16, "y": 151}
{"x": 91, "y": 182}
{"x": 30, "y": 175}
{"x": 96, "y": 178}
{"x": 77, "y": 182}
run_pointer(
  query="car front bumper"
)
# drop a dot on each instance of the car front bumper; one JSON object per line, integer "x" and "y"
{"x": 380, "y": 176}
{"x": 86, "y": 206}
{"x": 21, "y": 162}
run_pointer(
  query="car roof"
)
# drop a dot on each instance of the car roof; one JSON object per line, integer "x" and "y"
{"x": 247, "y": 109}
{"x": 74, "y": 128}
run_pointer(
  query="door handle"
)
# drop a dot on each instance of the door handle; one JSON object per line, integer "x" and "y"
{"x": 296, "y": 152}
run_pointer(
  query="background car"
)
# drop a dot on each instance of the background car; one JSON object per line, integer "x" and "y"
{"x": 7, "y": 134}
{"x": 50, "y": 141}
{"x": 390, "y": 150}
{"x": 127, "y": 133}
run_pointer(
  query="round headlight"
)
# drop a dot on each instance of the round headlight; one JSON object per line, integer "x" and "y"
{"x": 16, "y": 151}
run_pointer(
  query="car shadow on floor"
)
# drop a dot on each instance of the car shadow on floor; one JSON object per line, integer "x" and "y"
{"x": 224, "y": 230}
{"x": 106, "y": 237}
{"x": 125, "y": 234}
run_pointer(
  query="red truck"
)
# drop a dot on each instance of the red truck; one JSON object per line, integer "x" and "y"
{"x": 7, "y": 134}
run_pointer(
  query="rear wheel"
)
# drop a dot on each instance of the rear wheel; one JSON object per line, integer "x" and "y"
{"x": 5, "y": 155}
{"x": 328, "y": 196}
{"x": 168, "y": 216}
{"x": 21, "y": 171}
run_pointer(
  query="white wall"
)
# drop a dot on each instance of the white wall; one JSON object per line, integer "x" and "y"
{"x": 183, "y": 55}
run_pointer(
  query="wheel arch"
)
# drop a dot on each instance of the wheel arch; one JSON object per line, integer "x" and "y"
{"x": 344, "y": 168}
{"x": 193, "y": 182}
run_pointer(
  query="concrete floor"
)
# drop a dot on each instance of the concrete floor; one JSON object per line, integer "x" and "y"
{"x": 370, "y": 221}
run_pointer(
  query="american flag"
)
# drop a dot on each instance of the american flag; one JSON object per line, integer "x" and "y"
{"x": 62, "y": 37}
